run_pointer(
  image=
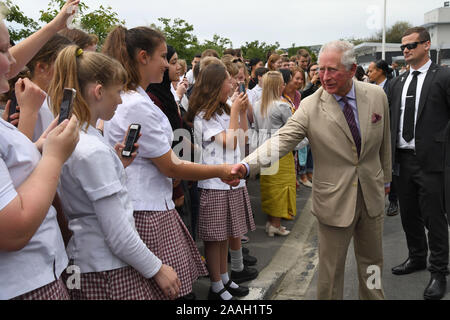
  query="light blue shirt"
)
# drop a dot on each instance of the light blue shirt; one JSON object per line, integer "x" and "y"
{"x": 351, "y": 97}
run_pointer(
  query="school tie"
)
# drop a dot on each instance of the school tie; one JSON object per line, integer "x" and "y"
{"x": 410, "y": 109}
{"x": 350, "y": 117}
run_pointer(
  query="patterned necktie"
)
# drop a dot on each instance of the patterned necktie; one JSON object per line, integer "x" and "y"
{"x": 350, "y": 117}
{"x": 410, "y": 109}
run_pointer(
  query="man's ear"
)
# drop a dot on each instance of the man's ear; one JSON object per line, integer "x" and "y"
{"x": 142, "y": 57}
{"x": 98, "y": 91}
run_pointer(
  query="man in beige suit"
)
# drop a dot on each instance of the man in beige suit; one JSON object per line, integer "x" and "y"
{"x": 347, "y": 124}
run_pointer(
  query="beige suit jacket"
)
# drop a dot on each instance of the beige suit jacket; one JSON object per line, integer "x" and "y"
{"x": 337, "y": 168}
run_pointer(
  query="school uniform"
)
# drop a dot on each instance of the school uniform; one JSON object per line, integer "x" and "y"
{"x": 224, "y": 211}
{"x": 34, "y": 271}
{"x": 45, "y": 118}
{"x": 157, "y": 221}
{"x": 113, "y": 260}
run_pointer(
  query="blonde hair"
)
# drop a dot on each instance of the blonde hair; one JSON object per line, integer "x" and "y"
{"x": 232, "y": 67}
{"x": 209, "y": 60}
{"x": 272, "y": 81}
{"x": 76, "y": 69}
{"x": 241, "y": 65}
{"x": 183, "y": 65}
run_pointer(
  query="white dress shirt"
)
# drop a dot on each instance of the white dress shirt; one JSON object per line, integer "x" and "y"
{"x": 149, "y": 189}
{"x": 254, "y": 95}
{"x": 44, "y": 258}
{"x": 402, "y": 144}
{"x": 100, "y": 214}
{"x": 213, "y": 152}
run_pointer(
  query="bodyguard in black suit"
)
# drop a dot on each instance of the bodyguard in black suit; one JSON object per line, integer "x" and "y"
{"x": 420, "y": 111}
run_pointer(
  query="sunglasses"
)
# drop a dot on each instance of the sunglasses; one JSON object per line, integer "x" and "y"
{"x": 411, "y": 45}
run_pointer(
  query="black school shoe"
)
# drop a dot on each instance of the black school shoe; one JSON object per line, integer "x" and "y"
{"x": 241, "y": 291}
{"x": 245, "y": 275}
{"x": 216, "y": 296}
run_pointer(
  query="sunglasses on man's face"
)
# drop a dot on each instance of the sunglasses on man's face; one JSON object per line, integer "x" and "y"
{"x": 411, "y": 45}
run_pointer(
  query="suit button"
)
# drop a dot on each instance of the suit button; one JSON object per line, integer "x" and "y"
{"x": 355, "y": 184}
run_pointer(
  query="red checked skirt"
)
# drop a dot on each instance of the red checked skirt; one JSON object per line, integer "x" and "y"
{"x": 53, "y": 291}
{"x": 167, "y": 237}
{"x": 119, "y": 284}
{"x": 224, "y": 214}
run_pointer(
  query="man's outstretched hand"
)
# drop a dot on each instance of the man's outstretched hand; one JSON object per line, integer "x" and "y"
{"x": 235, "y": 173}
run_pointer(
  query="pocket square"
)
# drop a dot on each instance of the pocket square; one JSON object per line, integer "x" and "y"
{"x": 376, "y": 118}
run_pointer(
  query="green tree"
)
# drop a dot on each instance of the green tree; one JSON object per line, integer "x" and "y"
{"x": 26, "y": 24}
{"x": 218, "y": 43}
{"x": 255, "y": 49}
{"x": 393, "y": 34}
{"x": 98, "y": 22}
{"x": 179, "y": 34}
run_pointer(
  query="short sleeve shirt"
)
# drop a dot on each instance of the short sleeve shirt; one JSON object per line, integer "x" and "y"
{"x": 150, "y": 189}
{"x": 44, "y": 258}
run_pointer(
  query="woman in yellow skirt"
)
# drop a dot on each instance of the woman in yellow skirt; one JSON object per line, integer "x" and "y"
{"x": 278, "y": 189}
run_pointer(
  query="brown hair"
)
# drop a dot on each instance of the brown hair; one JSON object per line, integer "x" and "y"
{"x": 75, "y": 70}
{"x": 210, "y": 53}
{"x": 48, "y": 52}
{"x": 424, "y": 35}
{"x": 123, "y": 45}
{"x": 296, "y": 69}
{"x": 272, "y": 59}
{"x": 232, "y": 67}
{"x": 206, "y": 94}
{"x": 79, "y": 37}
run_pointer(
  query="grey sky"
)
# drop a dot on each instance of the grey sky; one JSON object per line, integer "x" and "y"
{"x": 286, "y": 21}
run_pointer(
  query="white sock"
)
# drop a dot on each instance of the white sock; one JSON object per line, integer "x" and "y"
{"x": 217, "y": 286}
{"x": 237, "y": 261}
{"x": 226, "y": 278}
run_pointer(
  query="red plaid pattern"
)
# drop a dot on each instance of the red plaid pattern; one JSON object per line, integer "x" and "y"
{"x": 167, "y": 237}
{"x": 53, "y": 291}
{"x": 119, "y": 284}
{"x": 224, "y": 214}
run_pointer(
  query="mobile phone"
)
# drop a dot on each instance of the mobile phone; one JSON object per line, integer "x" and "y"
{"x": 67, "y": 104}
{"x": 241, "y": 87}
{"x": 12, "y": 106}
{"x": 132, "y": 137}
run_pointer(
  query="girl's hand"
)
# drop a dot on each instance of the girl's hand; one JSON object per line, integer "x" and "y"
{"x": 14, "y": 119}
{"x": 68, "y": 10}
{"x": 240, "y": 103}
{"x": 119, "y": 148}
{"x": 62, "y": 140}
{"x": 29, "y": 96}
{"x": 168, "y": 282}
{"x": 40, "y": 142}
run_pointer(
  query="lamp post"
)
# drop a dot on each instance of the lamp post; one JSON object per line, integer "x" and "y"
{"x": 383, "y": 50}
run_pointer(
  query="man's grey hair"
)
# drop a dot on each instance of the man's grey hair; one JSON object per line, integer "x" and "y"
{"x": 347, "y": 49}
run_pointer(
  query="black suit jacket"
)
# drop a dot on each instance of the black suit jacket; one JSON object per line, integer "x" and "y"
{"x": 432, "y": 118}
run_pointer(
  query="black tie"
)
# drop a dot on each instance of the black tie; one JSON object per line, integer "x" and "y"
{"x": 410, "y": 109}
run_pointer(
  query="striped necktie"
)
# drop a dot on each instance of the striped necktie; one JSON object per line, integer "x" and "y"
{"x": 350, "y": 117}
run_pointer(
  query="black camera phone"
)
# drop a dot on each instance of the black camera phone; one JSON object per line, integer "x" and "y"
{"x": 132, "y": 138}
{"x": 242, "y": 87}
{"x": 67, "y": 104}
{"x": 12, "y": 106}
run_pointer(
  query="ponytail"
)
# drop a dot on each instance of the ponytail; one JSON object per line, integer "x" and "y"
{"x": 123, "y": 45}
{"x": 76, "y": 69}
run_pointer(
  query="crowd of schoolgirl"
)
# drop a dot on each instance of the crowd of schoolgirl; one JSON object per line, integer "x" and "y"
{"x": 70, "y": 201}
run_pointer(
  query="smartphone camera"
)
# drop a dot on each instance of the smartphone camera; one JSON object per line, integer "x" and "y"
{"x": 241, "y": 87}
{"x": 67, "y": 104}
{"x": 132, "y": 138}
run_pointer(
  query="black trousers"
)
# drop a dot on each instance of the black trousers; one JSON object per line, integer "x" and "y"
{"x": 421, "y": 197}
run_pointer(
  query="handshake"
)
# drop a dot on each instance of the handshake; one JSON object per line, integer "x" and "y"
{"x": 233, "y": 173}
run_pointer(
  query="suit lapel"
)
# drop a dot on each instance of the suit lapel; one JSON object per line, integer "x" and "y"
{"x": 363, "y": 105}
{"x": 332, "y": 108}
{"x": 426, "y": 88}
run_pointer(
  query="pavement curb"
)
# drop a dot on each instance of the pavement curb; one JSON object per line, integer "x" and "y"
{"x": 285, "y": 259}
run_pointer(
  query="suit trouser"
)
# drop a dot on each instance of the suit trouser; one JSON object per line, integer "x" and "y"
{"x": 421, "y": 205}
{"x": 333, "y": 246}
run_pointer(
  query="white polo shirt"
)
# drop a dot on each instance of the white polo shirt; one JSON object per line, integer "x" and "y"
{"x": 213, "y": 152}
{"x": 44, "y": 257}
{"x": 100, "y": 214}
{"x": 149, "y": 189}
